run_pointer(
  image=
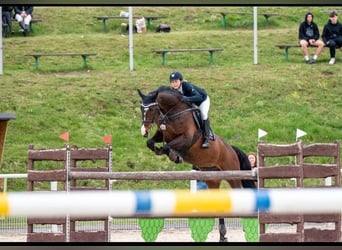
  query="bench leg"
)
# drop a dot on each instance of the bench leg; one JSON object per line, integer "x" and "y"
{"x": 84, "y": 61}
{"x": 36, "y": 62}
{"x": 104, "y": 24}
{"x": 211, "y": 58}
{"x": 267, "y": 17}
{"x": 223, "y": 20}
{"x": 164, "y": 58}
{"x": 287, "y": 53}
{"x": 148, "y": 23}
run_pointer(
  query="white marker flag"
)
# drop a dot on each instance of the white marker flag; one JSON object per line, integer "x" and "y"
{"x": 300, "y": 133}
{"x": 261, "y": 133}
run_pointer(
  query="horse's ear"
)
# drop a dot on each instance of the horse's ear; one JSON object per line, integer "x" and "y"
{"x": 141, "y": 94}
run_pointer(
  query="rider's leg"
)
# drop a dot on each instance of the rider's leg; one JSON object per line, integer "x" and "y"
{"x": 204, "y": 108}
{"x": 206, "y": 134}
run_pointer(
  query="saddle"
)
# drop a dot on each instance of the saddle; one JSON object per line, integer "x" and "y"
{"x": 199, "y": 123}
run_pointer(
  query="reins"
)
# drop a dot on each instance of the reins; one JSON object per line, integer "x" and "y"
{"x": 166, "y": 117}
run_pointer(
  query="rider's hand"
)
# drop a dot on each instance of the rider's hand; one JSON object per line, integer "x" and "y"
{"x": 185, "y": 99}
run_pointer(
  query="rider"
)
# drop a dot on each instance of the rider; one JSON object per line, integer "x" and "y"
{"x": 193, "y": 95}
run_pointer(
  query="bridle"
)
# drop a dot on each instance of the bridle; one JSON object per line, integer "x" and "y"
{"x": 145, "y": 108}
{"x": 164, "y": 118}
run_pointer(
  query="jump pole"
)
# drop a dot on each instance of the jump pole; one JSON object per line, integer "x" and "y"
{"x": 168, "y": 175}
{"x": 167, "y": 203}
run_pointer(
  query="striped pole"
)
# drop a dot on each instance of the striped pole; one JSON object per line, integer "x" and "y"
{"x": 167, "y": 203}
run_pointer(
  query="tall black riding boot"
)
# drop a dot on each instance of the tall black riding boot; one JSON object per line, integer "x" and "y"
{"x": 206, "y": 133}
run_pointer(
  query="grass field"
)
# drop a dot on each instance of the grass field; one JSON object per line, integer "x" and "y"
{"x": 275, "y": 95}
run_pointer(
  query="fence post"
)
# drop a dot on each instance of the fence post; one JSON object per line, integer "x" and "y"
{"x": 53, "y": 187}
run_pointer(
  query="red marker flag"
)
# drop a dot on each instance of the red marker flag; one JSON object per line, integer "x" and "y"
{"x": 107, "y": 139}
{"x": 65, "y": 136}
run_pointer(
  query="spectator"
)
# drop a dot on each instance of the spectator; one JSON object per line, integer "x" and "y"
{"x": 193, "y": 94}
{"x": 23, "y": 14}
{"x": 332, "y": 35}
{"x": 199, "y": 183}
{"x": 141, "y": 25}
{"x": 7, "y": 12}
{"x": 308, "y": 35}
{"x": 252, "y": 157}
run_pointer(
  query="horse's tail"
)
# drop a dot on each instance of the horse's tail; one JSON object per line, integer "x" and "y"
{"x": 244, "y": 165}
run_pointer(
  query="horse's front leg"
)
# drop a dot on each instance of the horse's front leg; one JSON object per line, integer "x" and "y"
{"x": 177, "y": 148}
{"x": 151, "y": 143}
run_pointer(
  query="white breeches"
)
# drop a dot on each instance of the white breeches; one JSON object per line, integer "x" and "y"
{"x": 204, "y": 108}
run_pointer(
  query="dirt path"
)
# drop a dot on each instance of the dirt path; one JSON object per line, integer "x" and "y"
{"x": 179, "y": 235}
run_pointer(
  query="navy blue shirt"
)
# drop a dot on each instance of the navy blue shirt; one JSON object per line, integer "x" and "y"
{"x": 194, "y": 93}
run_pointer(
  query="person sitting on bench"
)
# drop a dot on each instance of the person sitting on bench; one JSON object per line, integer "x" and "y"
{"x": 23, "y": 14}
{"x": 332, "y": 35}
{"x": 308, "y": 35}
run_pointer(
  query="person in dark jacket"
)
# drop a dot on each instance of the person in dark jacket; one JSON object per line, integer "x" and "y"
{"x": 7, "y": 12}
{"x": 308, "y": 35}
{"x": 23, "y": 14}
{"x": 193, "y": 95}
{"x": 332, "y": 35}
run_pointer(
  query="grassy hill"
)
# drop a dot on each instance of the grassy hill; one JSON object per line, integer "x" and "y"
{"x": 275, "y": 95}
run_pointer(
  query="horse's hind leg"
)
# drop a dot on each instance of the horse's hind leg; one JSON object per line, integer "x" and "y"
{"x": 222, "y": 230}
{"x": 222, "y": 226}
{"x": 235, "y": 183}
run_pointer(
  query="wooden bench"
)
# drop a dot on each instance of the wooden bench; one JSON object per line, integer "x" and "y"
{"x": 328, "y": 11}
{"x": 286, "y": 47}
{"x": 83, "y": 55}
{"x": 105, "y": 18}
{"x": 224, "y": 14}
{"x": 163, "y": 52}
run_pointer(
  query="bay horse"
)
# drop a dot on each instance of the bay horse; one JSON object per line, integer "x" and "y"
{"x": 182, "y": 137}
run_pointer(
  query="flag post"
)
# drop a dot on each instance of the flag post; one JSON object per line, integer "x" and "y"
{"x": 65, "y": 137}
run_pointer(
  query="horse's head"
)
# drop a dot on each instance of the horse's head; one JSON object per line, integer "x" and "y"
{"x": 158, "y": 103}
{"x": 149, "y": 111}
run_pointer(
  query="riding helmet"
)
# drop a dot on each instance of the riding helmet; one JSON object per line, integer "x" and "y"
{"x": 175, "y": 76}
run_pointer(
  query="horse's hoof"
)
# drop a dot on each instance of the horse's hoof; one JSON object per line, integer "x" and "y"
{"x": 158, "y": 151}
{"x": 179, "y": 159}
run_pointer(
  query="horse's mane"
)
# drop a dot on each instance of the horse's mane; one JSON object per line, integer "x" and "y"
{"x": 152, "y": 96}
